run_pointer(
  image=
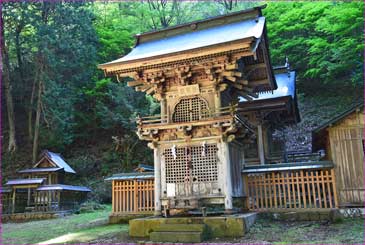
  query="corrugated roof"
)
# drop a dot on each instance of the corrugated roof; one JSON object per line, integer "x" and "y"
{"x": 196, "y": 39}
{"x": 37, "y": 170}
{"x": 63, "y": 187}
{"x": 130, "y": 176}
{"x": 24, "y": 181}
{"x": 57, "y": 160}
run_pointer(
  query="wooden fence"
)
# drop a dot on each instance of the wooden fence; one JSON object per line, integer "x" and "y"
{"x": 291, "y": 189}
{"x": 133, "y": 196}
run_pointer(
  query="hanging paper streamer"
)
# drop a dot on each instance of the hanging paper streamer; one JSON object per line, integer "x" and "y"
{"x": 204, "y": 148}
{"x": 173, "y": 151}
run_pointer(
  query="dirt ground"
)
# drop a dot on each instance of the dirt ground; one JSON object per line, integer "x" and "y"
{"x": 349, "y": 231}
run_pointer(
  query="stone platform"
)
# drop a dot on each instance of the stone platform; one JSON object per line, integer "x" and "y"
{"x": 235, "y": 225}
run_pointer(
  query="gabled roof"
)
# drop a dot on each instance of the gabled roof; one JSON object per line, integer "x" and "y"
{"x": 249, "y": 28}
{"x": 57, "y": 160}
{"x": 25, "y": 181}
{"x": 339, "y": 117}
{"x": 284, "y": 96}
{"x": 63, "y": 187}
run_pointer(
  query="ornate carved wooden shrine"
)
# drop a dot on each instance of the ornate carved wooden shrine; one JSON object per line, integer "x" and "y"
{"x": 199, "y": 72}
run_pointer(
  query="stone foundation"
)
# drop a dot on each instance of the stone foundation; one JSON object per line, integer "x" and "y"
{"x": 303, "y": 215}
{"x": 124, "y": 218}
{"x": 21, "y": 217}
{"x": 218, "y": 226}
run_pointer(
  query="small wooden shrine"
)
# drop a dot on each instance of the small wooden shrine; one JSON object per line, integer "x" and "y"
{"x": 133, "y": 193}
{"x": 42, "y": 189}
{"x": 342, "y": 138}
{"x": 220, "y": 99}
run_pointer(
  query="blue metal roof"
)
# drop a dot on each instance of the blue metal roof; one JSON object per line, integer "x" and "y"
{"x": 25, "y": 181}
{"x": 197, "y": 39}
{"x": 286, "y": 87}
{"x": 38, "y": 170}
{"x": 58, "y": 160}
{"x": 63, "y": 187}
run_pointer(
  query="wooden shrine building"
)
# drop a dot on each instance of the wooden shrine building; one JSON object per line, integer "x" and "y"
{"x": 220, "y": 99}
{"x": 41, "y": 188}
{"x": 342, "y": 138}
{"x": 133, "y": 193}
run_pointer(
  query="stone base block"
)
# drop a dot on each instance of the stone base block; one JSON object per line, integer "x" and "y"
{"x": 217, "y": 226}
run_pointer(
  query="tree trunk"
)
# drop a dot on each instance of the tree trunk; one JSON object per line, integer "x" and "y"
{"x": 38, "y": 114}
{"x": 30, "y": 113}
{"x": 7, "y": 89}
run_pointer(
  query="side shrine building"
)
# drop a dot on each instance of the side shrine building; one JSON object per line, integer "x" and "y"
{"x": 42, "y": 188}
{"x": 220, "y": 100}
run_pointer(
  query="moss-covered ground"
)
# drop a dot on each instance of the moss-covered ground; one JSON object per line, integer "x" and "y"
{"x": 93, "y": 228}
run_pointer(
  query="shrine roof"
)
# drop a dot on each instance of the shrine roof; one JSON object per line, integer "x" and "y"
{"x": 63, "y": 187}
{"x": 222, "y": 29}
{"x": 25, "y": 181}
{"x": 131, "y": 176}
{"x": 286, "y": 87}
{"x": 38, "y": 170}
{"x": 57, "y": 160}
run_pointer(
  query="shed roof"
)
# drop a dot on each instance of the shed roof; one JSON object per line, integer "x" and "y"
{"x": 131, "y": 176}
{"x": 63, "y": 187}
{"x": 339, "y": 117}
{"x": 25, "y": 181}
{"x": 197, "y": 39}
{"x": 145, "y": 167}
{"x": 38, "y": 170}
{"x": 57, "y": 160}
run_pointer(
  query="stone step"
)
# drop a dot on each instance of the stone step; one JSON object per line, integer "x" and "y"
{"x": 176, "y": 236}
{"x": 181, "y": 227}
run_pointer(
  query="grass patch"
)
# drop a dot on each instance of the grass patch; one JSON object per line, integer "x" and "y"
{"x": 74, "y": 228}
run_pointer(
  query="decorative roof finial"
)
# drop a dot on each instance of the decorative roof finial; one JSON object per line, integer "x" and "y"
{"x": 287, "y": 65}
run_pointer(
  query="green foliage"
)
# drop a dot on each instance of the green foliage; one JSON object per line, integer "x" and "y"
{"x": 323, "y": 40}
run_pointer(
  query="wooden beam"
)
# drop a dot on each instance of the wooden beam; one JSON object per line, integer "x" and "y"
{"x": 233, "y": 79}
{"x": 260, "y": 144}
{"x": 242, "y": 81}
{"x": 233, "y": 66}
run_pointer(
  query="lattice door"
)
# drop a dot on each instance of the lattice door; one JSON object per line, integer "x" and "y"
{"x": 199, "y": 167}
{"x": 191, "y": 109}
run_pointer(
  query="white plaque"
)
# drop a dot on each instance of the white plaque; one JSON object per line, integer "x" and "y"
{"x": 170, "y": 190}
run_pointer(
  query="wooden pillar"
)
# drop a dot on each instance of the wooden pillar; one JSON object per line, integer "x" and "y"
{"x": 157, "y": 169}
{"x": 227, "y": 178}
{"x": 13, "y": 200}
{"x": 163, "y": 110}
{"x": 260, "y": 144}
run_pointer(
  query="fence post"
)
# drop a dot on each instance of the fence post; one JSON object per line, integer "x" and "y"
{"x": 334, "y": 187}
{"x": 135, "y": 196}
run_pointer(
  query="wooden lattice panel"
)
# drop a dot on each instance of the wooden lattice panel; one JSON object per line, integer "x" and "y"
{"x": 203, "y": 164}
{"x": 190, "y": 109}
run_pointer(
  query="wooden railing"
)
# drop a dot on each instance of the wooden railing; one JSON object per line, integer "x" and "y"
{"x": 291, "y": 188}
{"x": 163, "y": 119}
{"x": 133, "y": 196}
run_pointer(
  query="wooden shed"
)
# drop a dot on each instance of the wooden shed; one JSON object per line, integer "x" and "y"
{"x": 343, "y": 140}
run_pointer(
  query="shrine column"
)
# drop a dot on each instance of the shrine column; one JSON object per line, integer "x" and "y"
{"x": 227, "y": 178}
{"x": 260, "y": 144}
{"x": 157, "y": 170}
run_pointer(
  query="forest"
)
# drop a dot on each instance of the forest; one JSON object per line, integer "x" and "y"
{"x": 54, "y": 97}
